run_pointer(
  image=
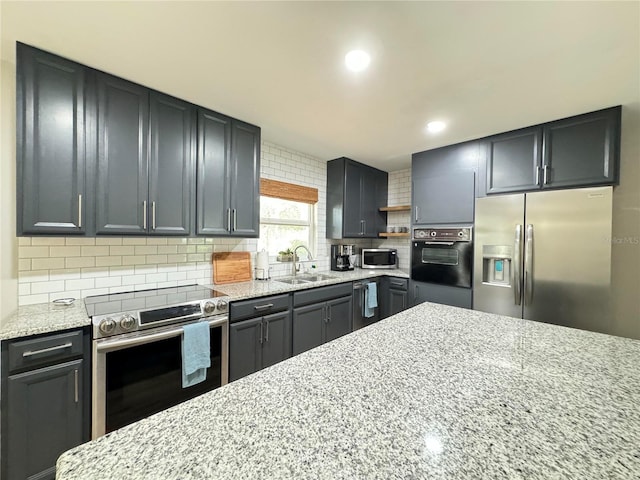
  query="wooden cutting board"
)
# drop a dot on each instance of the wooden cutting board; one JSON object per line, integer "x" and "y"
{"x": 230, "y": 267}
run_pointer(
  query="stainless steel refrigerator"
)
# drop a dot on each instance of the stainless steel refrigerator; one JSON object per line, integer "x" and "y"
{"x": 545, "y": 256}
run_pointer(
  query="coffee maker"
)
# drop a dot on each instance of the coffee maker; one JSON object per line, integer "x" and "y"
{"x": 342, "y": 257}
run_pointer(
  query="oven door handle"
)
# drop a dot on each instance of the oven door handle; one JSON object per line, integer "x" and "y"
{"x": 120, "y": 343}
{"x": 448, "y": 244}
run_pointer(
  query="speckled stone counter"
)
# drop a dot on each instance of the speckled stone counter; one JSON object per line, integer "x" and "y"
{"x": 48, "y": 318}
{"x": 434, "y": 392}
{"x": 44, "y": 318}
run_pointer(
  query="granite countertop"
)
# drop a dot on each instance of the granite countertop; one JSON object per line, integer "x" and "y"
{"x": 433, "y": 392}
{"x": 48, "y": 318}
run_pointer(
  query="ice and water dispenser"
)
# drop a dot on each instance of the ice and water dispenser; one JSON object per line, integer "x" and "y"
{"x": 496, "y": 265}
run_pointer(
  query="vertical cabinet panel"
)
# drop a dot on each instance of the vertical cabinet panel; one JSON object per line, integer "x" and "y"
{"x": 50, "y": 143}
{"x": 308, "y": 327}
{"x": 276, "y": 344}
{"x": 213, "y": 178}
{"x": 582, "y": 150}
{"x": 122, "y": 164}
{"x": 513, "y": 161}
{"x": 171, "y": 166}
{"x": 338, "y": 322}
{"x": 245, "y": 179}
{"x": 46, "y": 418}
{"x": 245, "y": 356}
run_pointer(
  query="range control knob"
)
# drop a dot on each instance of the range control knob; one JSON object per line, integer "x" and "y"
{"x": 209, "y": 308}
{"x": 107, "y": 325}
{"x": 127, "y": 322}
{"x": 433, "y": 234}
{"x": 222, "y": 305}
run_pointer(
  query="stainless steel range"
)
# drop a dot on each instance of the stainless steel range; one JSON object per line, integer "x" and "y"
{"x": 137, "y": 352}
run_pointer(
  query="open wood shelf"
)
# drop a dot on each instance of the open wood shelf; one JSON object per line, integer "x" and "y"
{"x": 396, "y": 208}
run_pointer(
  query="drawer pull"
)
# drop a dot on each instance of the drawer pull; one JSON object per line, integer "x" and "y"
{"x": 46, "y": 350}
{"x": 399, "y": 284}
{"x": 263, "y": 307}
{"x": 76, "y": 389}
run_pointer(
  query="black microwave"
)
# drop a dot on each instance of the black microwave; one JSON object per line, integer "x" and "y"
{"x": 379, "y": 258}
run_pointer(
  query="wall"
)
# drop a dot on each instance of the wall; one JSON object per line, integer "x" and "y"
{"x": 399, "y": 194}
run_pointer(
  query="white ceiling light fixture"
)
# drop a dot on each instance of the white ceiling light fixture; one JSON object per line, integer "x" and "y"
{"x": 357, "y": 60}
{"x": 436, "y": 126}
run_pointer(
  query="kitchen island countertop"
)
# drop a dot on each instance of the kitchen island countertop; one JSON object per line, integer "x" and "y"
{"x": 433, "y": 392}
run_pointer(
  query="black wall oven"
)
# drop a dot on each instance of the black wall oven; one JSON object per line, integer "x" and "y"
{"x": 443, "y": 256}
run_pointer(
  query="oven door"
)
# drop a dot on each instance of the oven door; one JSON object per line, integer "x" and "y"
{"x": 443, "y": 263}
{"x": 138, "y": 374}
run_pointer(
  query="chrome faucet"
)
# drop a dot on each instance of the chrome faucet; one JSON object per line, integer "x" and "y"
{"x": 295, "y": 252}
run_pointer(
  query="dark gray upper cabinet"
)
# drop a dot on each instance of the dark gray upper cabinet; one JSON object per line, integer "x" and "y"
{"x": 573, "y": 152}
{"x": 582, "y": 150}
{"x": 513, "y": 161}
{"x": 50, "y": 149}
{"x": 171, "y": 165}
{"x": 355, "y": 193}
{"x": 228, "y": 180}
{"x": 443, "y": 184}
{"x": 145, "y": 160}
{"x": 122, "y": 181}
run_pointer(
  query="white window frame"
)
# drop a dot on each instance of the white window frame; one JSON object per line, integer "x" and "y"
{"x": 311, "y": 223}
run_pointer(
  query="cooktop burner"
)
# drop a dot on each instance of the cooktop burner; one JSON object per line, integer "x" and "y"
{"x": 118, "y": 313}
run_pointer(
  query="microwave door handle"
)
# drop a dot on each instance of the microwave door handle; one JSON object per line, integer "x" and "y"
{"x": 516, "y": 280}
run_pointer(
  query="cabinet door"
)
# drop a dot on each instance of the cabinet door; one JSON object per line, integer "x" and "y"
{"x": 430, "y": 292}
{"x": 46, "y": 419}
{"x": 122, "y": 170}
{"x": 245, "y": 343}
{"x": 277, "y": 338}
{"x": 445, "y": 199}
{"x": 373, "y": 195}
{"x": 352, "y": 221}
{"x": 397, "y": 301}
{"x": 308, "y": 327}
{"x": 213, "y": 179}
{"x": 50, "y": 143}
{"x": 245, "y": 180}
{"x": 581, "y": 150}
{"x": 171, "y": 165}
{"x": 513, "y": 161}
{"x": 338, "y": 320}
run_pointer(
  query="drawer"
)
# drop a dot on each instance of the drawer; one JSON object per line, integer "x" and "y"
{"x": 398, "y": 283}
{"x": 321, "y": 294}
{"x": 257, "y": 307}
{"x": 44, "y": 350}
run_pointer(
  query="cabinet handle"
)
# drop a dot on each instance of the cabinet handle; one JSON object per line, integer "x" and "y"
{"x": 153, "y": 215}
{"x": 266, "y": 331}
{"x": 361, "y": 227}
{"x": 545, "y": 176}
{"x": 79, "y": 210}
{"x": 144, "y": 214}
{"x": 261, "y": 330}
{"x": 75, "y": 373}
{"x": 235, "y": 219}
{"x": 46, "y": 350}
{"x": 263, "y": 307}
{"x": 229, "y": 219}
{"x": 537, "y": 175}
{"x": 328, "y": 313}
{"x": 416, "y": 217}
{"x": 399, "y": 284}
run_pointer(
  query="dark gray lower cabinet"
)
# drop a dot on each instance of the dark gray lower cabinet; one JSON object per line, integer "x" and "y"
{"x": 431, "y": 292}
{"x": 45, "y": 402}
{"x": 321, "y": 321}
{"x": 258, "y": 343}
{"x": 395, "y": 297}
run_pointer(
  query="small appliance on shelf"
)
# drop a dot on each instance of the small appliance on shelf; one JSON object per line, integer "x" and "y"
{"x": 342, "y": 257}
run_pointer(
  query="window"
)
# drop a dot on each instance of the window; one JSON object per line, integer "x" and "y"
{"x": 285, "y": 224}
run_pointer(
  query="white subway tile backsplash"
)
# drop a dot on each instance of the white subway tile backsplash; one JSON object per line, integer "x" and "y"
{"x": 167, "y": 249}
{"x": 93, "y": 272}
{"x": 108, "y": 282}
{"x": 65, "y": 274}
{"x": 48, "y": 241}
{"x": 146, "y": 250}
{"x": 80, "y": 241}
{"x": 47, "y": 263}
{"x": 24, "y": 241}
{"x": 134, "y": 260}
{"x": 134, "y": 241}
{"x": 33, "y": 276}
{"x": 24, "y": 264}
{"x": 68, "y": 251}
{"x": 81, "y": 284}
{"x": 157, "y": 241}
{"x": 108, "y": 261}
{"x": 133, "y": 279}
{"x": 109, "y": 241}
{"x": 33, "y": 299}
{"x": 155, "y": 259}
{"x": 79, "y": 262}
{"x": 122, "y": 250}
{"x": 33, "y": 252}
{"x": 93, "y": 251}
{"x": 47, "y": 287}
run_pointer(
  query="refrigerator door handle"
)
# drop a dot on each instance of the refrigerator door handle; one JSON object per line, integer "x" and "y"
{"x": 517, "y": 262}
{"x": 528, "y": 266}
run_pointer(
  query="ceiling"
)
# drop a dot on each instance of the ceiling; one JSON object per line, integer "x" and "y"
{"x": 483, "y": 67}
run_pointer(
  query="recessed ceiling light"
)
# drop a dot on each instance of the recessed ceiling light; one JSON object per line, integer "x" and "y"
{"x": 357, "y": 60}
{"x": 436, "y": 126}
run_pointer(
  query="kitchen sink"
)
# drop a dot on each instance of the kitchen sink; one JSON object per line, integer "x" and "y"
{"x": 304, "y": 278}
